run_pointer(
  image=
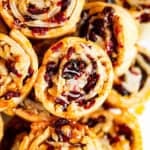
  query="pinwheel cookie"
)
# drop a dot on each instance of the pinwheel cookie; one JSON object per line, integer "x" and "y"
{"x": 74, "y": 79}
{"x": 133, "y": 88}
{"x": 116, "y": 130}
{"x": 140, "y": 9}
{"x": 18, "y": 69}
{"x": 1, "y": 127}
{"x": 114, "y": 29}
{"x": 42, "y": 19}
{"x": 59, "y": 134}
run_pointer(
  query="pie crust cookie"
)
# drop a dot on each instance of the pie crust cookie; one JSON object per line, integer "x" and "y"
{"x": 114, "y": 29}
{"x": 42, "y": 19}
{"x": 18, "y": 69}
{"x": 58, "y": 134}
{"x": 116, "y": 130}
{"x": 133, "y": 88}
{"x": 74, "y": 79}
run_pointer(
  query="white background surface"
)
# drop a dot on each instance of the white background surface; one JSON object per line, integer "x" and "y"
{"x": 144, "y": 121}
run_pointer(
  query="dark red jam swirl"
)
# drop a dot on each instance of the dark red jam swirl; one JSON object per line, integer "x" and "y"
{"x": 146, "y": 58}
{"x": 73, "y": 68}
{"x": 121, "y": 130}
{"x": 122, "y": 90}
{"x": 10, "y": 65}
{"x": 144, "y": 17}
{"x": 99, "y": 27}
{"x": 34, "y": 10}
{"x": 51, "y": 69}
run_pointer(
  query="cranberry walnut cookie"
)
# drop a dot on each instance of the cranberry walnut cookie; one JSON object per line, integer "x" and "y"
{"x": 113, "y": 28}
{"x": 18, "y": 69}
{"x": 116, "y": 130}
{"x": 74, "y": 79}
{"x": 133, "y": 88}
{"x": 58, "y": 134}
{"x": 42, "y": 19}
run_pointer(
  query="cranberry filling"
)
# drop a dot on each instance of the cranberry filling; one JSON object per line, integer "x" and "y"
{"x": 112, "y": 139}
{"x": 71, "y": 50}
{"x": 74, "y": 95}
{"x": 57, "y": 46}
{"x": 51, "y": 69}
{"x": 61, "y": 122}
{"x": 91, "y": 82}
{"x": 30, "y": 73}
{"x": 59, "y": 18}
{"x": 49, "y": 81}
{"x": 73, "y": 68}
{"x": 50, "y": 147}
{"x": 10, "y": 64}
{"x": 34, "y": 10}
{"x": 58, "y": 125}
{"x": 126, "y": 4}
{"x": 39, "y": 30}
{"x": 11, "y": 94}
{"x": 146, "y": 58}
{"x": 100, "y": 28}
{"x": 92, "y": 122}
{"x": 61, "y": 102}
{"x": 126, "y": 131}
{"x": 145, "y": 17}
{"x": 120, "y": 89}
{"x": 85, "y": 26}
{"x": 65, "y": 4}
{"x": 87, "y": 104}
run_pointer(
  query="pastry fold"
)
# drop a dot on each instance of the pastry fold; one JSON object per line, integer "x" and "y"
{"x": 31, "y": 110}
{"x": 18, "y": 69}
{"x": 113, "y": 28}
{"x": 58, "y": 134}
{"x": 74, "y": 79}
{"x": 133, "y": 88}
{"x": 42, "y": 19}
{"x": 116, "y": 130}
{"x": 1, "y": 127}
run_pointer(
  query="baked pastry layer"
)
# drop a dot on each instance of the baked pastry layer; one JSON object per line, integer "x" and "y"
{"x": 116, "y": 130}
{"x": 74, "y": 79}
{"x": 18, "y": 69}
{"x": 113, "y": 28}
{"x": 42, "y": 19}
{"x": 58, "y": 134}
{"x": 1, "y": 127}
{"x": 133, "y": 88}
